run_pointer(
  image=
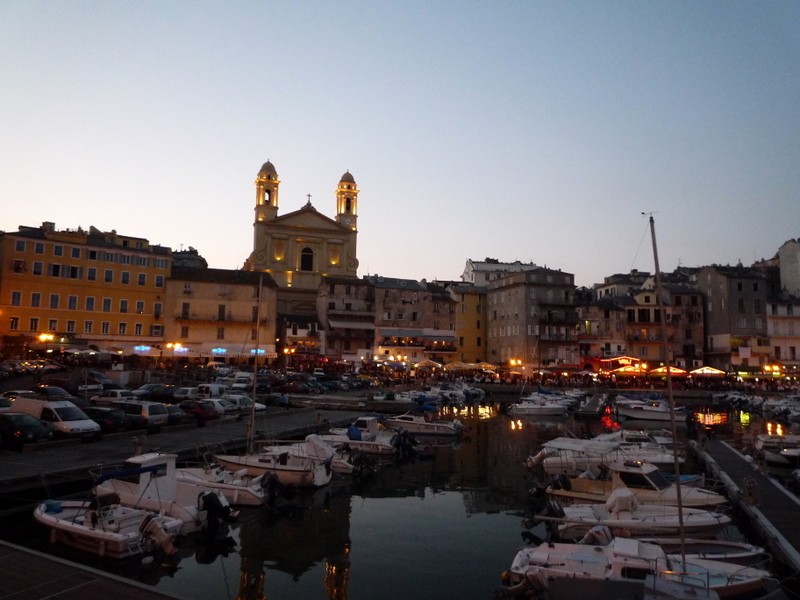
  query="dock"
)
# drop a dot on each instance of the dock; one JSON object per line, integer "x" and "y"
{"x": 30, "y": 575}
{"x": 766, "y": 506}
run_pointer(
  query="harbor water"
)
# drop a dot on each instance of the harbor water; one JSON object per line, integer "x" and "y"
{"x": 443, "y": 526}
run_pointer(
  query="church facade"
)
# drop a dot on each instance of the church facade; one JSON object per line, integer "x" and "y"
{"x": 301, "y": 247}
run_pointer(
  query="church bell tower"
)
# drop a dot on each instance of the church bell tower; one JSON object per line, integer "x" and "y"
{"x": 347, "y": 202}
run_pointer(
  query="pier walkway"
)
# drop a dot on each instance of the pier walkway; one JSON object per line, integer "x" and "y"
{"x": 771, "y": 510}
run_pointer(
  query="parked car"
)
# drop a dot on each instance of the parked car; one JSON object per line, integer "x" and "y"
{"x": 184, "y": 393}
{"x": 143, "y": 414}
{"x": 62, "y": 416}
{"x": 155, "y": 392}
{"x": 109, "y": 418}
{"x": 224, "y": 407}
{"x": 54, "y": 392}
{"x": 201, "y": 410}
{"x": 177, "y": 416}
{"x": 106, "y": 397}
{"x": 243, "y": 403}
{"x": 293, "y": 387}
{"x": 18, "y": 429}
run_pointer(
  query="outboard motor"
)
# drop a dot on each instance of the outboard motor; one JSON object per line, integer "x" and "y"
{"x": 217, "y": 508}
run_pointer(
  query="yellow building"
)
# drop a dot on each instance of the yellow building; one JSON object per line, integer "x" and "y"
{"x": 212, "y": 313}
{"x": 471, "y": 324}
{"x": 77, "y": 288}
{"x": 299, "y": 248}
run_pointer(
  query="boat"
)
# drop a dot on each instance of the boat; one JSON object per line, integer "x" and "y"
{"x": 646, "y": 482}
{"x": 618, "y": 570}
{"x": 538, "y": 407}
{"x": 159, "y": 489}
{"x": 297, "y": 464}
{"x": 623, "y": 513}
{"x": 424, "y": 424}
{"x": 573, "y": 456}
{"x": 238, "y": 488}
{"x": 646, "y": 410}
{"x": 102, "y": 526}
{"x": 368, "y": 435}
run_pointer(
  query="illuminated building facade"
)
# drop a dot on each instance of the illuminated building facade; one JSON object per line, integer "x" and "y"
{"x": 78, "y": 288}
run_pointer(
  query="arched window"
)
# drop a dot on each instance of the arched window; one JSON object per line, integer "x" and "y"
{"x": 348, "y": 206}
{"x": 306, "y": 259}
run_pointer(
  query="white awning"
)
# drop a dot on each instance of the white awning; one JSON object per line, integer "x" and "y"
{"x": 350, "y": 325}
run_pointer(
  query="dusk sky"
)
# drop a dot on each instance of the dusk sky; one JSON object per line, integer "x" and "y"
{"x": 531, "y": 131}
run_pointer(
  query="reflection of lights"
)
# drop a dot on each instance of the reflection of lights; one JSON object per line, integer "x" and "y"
{"x": 775, "y": 429}
{"x": 515, "y": 425}
{"x": 714, "y": 418}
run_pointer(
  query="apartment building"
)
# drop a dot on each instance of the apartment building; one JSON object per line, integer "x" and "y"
{"x": 81, "y": 289}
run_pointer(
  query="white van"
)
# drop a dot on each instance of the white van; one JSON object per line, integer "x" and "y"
{"x": 62, "y": 416}
{"x": 211, "y": 390}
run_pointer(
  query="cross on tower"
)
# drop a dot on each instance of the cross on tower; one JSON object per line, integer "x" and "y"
{"x": 309, "y": 198}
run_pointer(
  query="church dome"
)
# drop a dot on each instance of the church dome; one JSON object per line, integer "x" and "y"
{"x": 268, "y": 169}
{"x": 347, "y": 178}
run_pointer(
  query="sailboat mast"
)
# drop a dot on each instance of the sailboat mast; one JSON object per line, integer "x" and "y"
{"x": 670, "y": 397}
{"x": 251, "y": 423}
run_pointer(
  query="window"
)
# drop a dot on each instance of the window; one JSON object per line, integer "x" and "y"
{"x": 19, "y": 245}
{"x": 157, "y": 309}
{"x": 92, "y": 254}
{"x": 141, "y": 279}
{"x": 13, "y": 323}
{"x": 75, "y": 252}
{"x": 106, "y": 304}
{"x": 159, "y": 281}
{"x": 16, "y": 298}
{"x": 88, "y": 326}
{"x": 74, "y": 272}
{"x": 33, "y": 324}
{"x": 220, "y": 333}
{"x": 108, "y": 256}
{"x": 55, "y": 300}
{"x": 72, "y": 302}
{"x": 108, "y": 276}
{"x": 741, "y": 305}
{"x": 185, "y": 310}
{"x": 89, "y": 302}
{"x": 123, "y": 306}
{"x": 36, "y": 299}
{"x": 38, "y": 268}
{"x": 220, "y": 312}
{"x": 105, "y": 327}
{"x": 18, "y": 266}
{"x": 54, "y": 270}
{"x": 161, "y": 263}
{"x": 52, "y": 325}
{"x": 70, "y": 326}
{"x": 38, "y": 248}
{"x": 58, "y": 250}
{"x": 137, "y": 329}
{"x": 141, "y": 261}
{"x": 156, "y": 330}
{"x": 184, "y": 331}
{"x": 306, "y": 259}
{"x": 126, "y": 278}
{"x": 91, "y": 274}
{"x": 123, "y": 329}
{"x": 140, "y": 307}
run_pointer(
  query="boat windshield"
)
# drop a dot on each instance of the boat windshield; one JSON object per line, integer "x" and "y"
{"x": 652, "y": 480}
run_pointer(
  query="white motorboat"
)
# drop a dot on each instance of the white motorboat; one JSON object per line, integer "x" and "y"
{"x": 296, "y": 464}
{"x": 618, "y": 571}
{"x": 623, "y": 513}
{"x": 573, "y": 456}
{"x": 540, "y": 407}
{"x": 368, "y": 435}
{"x": 646, "y": 410}
{"x": 237, "y": 487}
{"x": 424, "y": 424}
{"x": 150, "y": 482}
{"x": 104, "y": 527}
{"x": 644, "y": 479}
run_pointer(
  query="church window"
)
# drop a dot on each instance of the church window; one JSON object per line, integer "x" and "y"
{"x": 306, "y": 259}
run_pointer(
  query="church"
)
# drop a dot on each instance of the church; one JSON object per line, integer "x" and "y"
{"x": 301, "y": 247}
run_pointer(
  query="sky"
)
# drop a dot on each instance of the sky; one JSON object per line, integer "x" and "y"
{"x": 543, "y": 132}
